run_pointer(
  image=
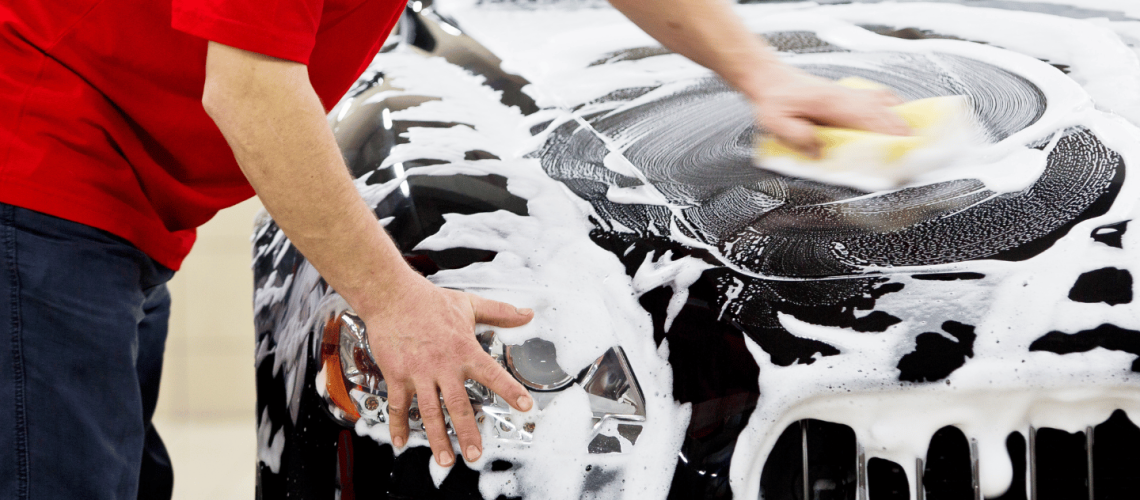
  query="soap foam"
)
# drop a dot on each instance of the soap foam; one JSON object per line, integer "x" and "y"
{"x": 1128, "y": 8}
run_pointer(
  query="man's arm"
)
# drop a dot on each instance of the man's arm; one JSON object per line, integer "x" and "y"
{"x": 787, "y": 101}
{"x": 422, "y": 335}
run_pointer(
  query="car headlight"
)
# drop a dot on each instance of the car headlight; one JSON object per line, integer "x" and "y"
{"x": 354, "y": 388}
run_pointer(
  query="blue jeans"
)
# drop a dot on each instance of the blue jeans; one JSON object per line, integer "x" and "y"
{"x": 83, "y": 318}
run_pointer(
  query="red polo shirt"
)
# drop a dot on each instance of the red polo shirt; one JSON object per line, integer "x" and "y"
{"x": 101, "y": 118}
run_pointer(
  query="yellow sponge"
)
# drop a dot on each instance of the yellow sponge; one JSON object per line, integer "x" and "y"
{"x": 872, "y": 161}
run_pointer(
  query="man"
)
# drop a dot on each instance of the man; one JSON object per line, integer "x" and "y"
{"x": 125, "y": 124}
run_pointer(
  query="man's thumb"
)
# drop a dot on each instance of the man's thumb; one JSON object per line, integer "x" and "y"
{"x": 797, "y": 133}
{"x": 494, "y": 313}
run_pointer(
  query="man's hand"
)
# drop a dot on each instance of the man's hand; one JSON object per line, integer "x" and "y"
{"x": 422, "y": 335}
{"x": 424, "y": 344}
{"x": 787, "y": 100}
{"x": 791, "y": 102}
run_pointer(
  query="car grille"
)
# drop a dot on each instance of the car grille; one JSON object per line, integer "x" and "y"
{"x": 1101, "y": 463}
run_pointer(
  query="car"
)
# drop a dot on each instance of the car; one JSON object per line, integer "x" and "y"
{"x": 705, "y": 327}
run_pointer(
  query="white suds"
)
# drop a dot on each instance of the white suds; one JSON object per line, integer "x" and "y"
{"x": 439, "y": 472}
{"x": 1127, "y": 7}
{"x": 270, "y": 445}
{"x": 679, "y": 274}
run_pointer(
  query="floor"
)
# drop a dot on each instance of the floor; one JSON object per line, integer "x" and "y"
{"x": 206, "y": 408}
{"x": 212, "y": 459}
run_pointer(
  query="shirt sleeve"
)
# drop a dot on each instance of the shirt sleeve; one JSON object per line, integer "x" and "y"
{"x": 286, "y": 29}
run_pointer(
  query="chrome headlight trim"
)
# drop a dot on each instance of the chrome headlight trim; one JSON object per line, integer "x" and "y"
{"x": 532, "y": 364}
{"x": 354, "y": 388}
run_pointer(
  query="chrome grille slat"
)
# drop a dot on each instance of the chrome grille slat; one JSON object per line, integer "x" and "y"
{"x": 1089, "y": 454}
{"x": 1032, "y": 461}
{"x": 861, "y": 472}
{"x": 975, "y": 482}
{"x": 804, "y": 440}
{"x": 919, "y": 470}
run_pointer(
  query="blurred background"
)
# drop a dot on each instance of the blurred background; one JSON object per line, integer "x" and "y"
{"x": 207, "y": 404}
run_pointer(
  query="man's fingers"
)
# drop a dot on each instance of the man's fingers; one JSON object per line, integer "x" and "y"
{"x": 398, "y": 403}
{"x": 887, "y": 98}
{"x": 864, "y": 114}
{"x": 490, "y": 312}
{"x": 800, "y": 134}
{"x": 462, "y": 419}
{"x": 496, "y": 378}
{"x": 882, "y": 120}
{"x": 434, "y": 425}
